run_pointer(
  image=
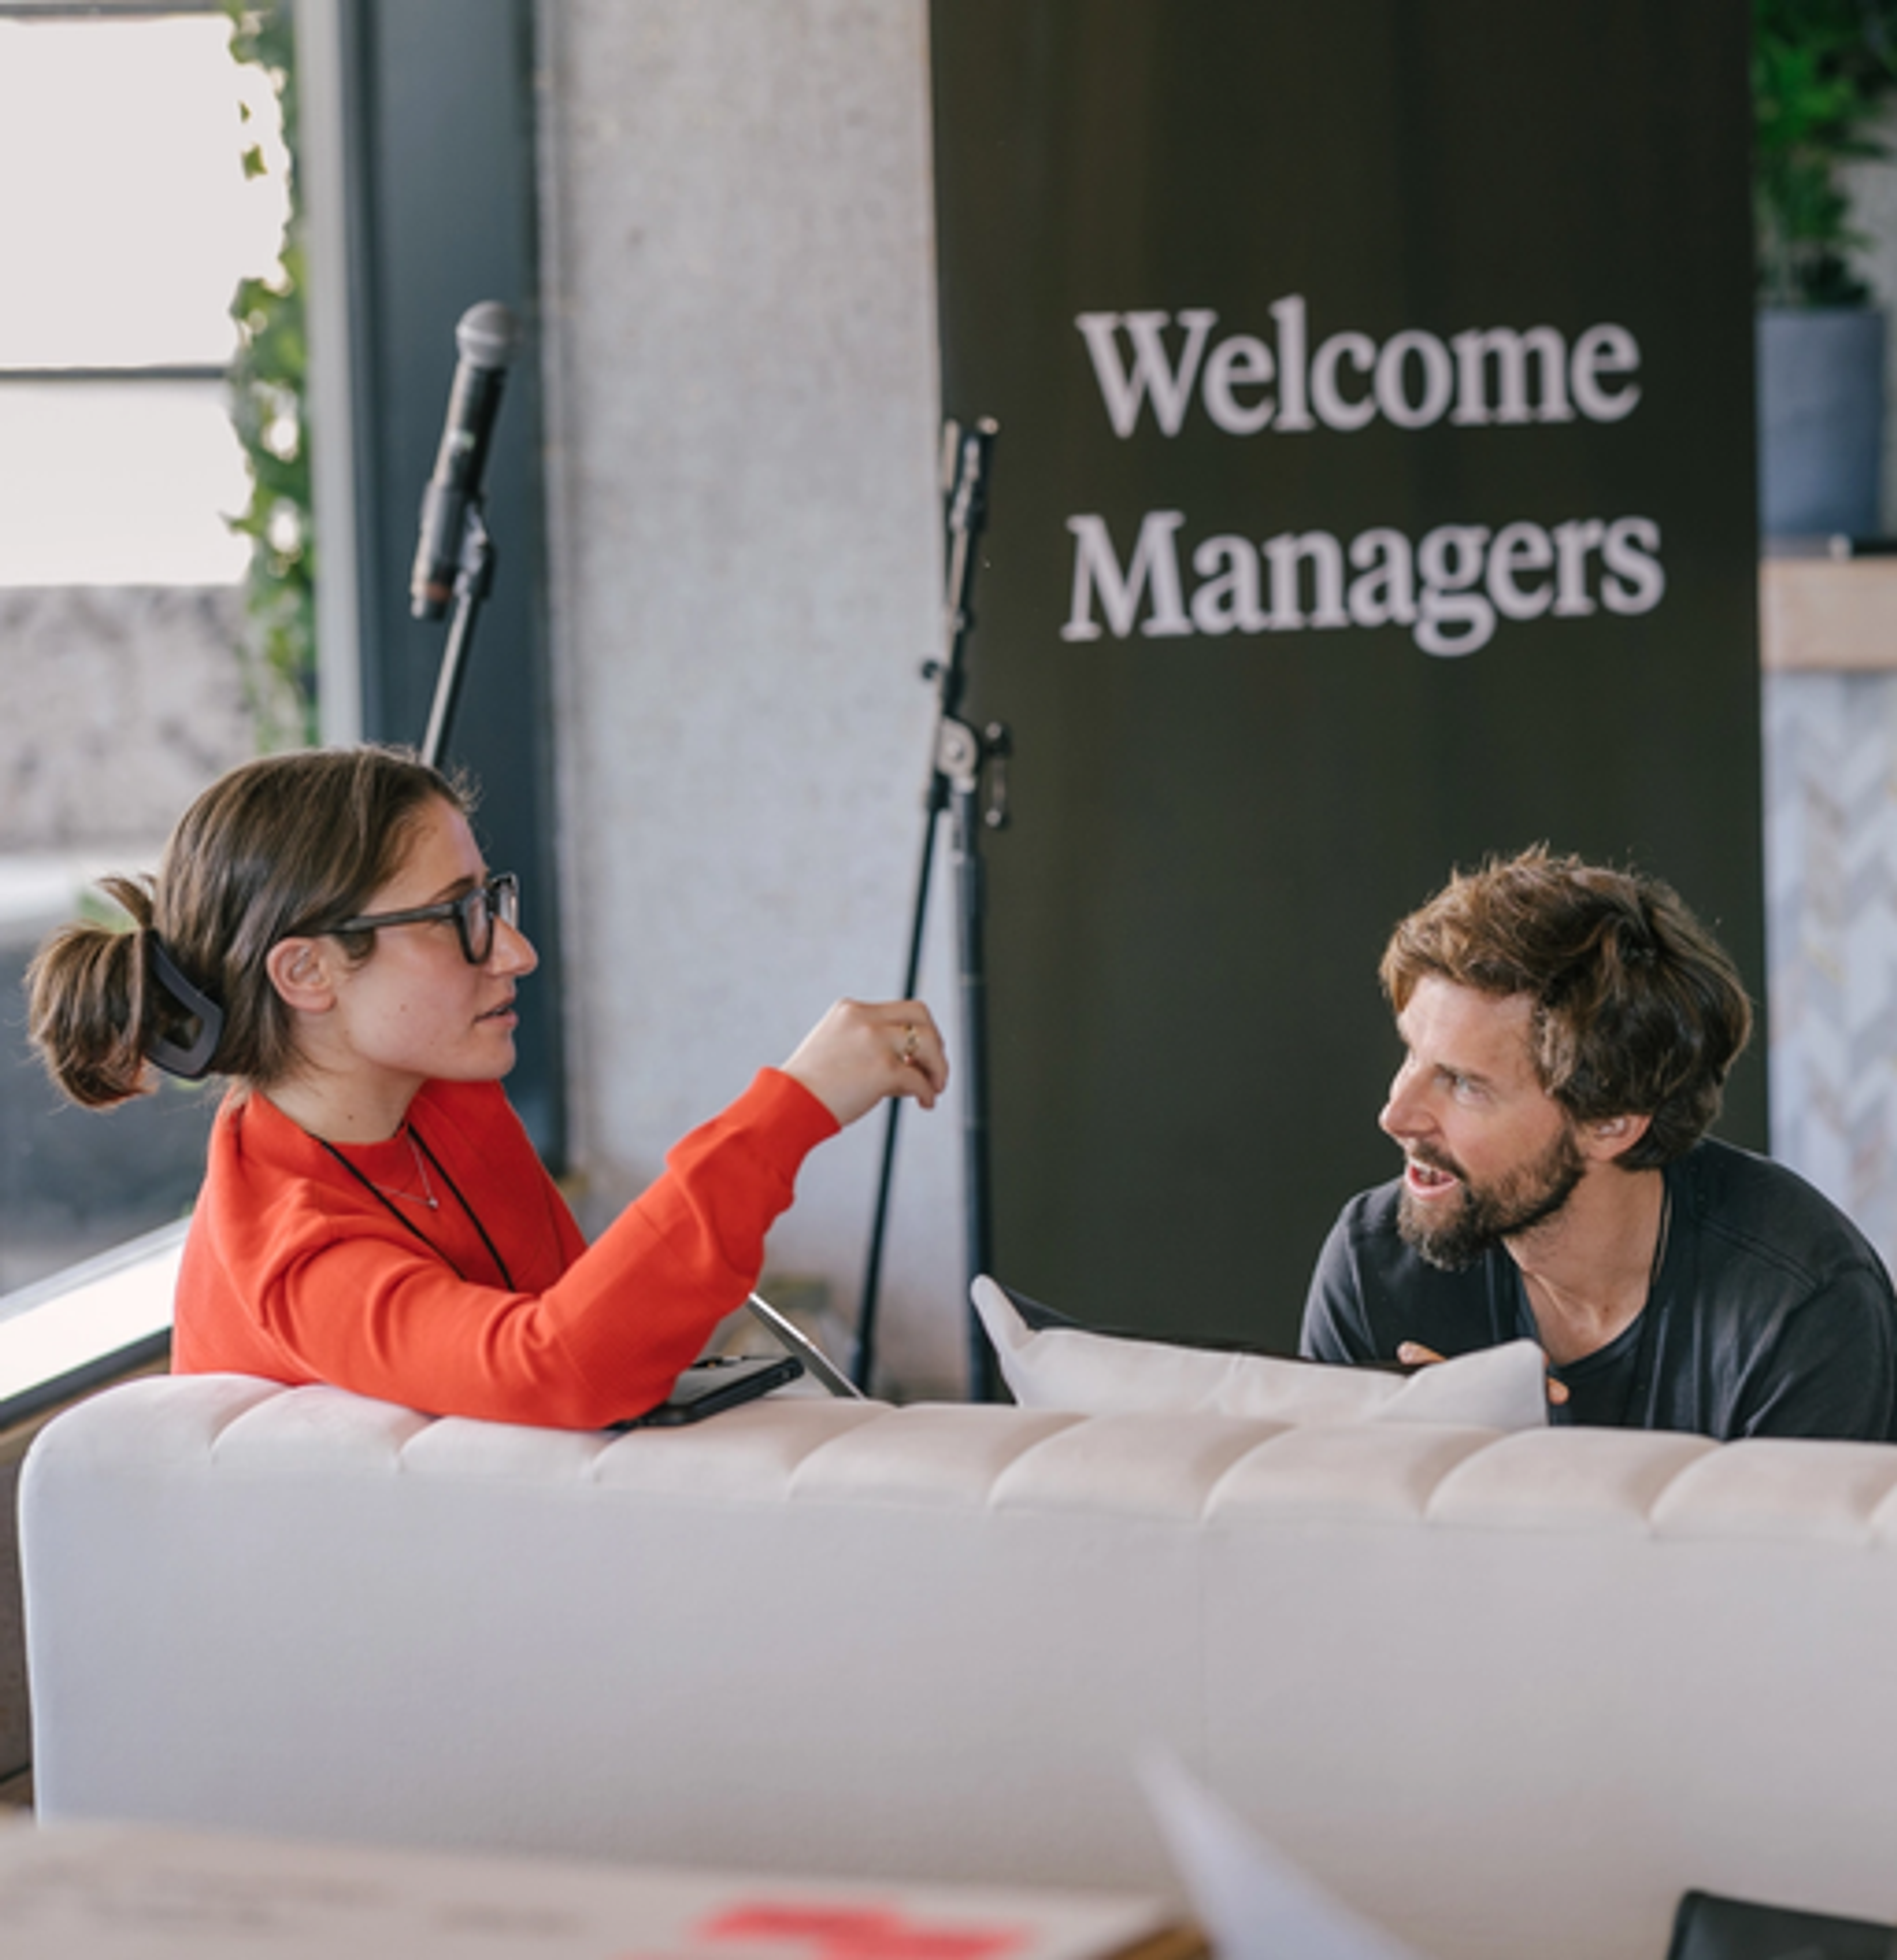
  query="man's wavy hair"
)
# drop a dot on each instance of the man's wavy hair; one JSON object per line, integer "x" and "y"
{"x": 1638, "y": 1010}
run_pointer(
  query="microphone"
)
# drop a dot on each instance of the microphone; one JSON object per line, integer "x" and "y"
{"x": 487, "y": 336}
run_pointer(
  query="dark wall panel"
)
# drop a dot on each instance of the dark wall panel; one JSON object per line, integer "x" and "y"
{"x": 1222, "y": 804}
{"x": 442, "y": 186}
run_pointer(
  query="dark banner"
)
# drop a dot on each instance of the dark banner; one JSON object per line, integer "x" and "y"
{"x": 1373, "y": 492}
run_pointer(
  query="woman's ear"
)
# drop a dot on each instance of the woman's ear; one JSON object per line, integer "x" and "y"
{"x": 299, "y": 970}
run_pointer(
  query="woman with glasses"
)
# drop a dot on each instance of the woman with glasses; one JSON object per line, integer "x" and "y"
{"x": 323, "y": 933}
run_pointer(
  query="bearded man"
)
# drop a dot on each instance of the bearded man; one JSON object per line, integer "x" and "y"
{"x": 1566, "y": 1032}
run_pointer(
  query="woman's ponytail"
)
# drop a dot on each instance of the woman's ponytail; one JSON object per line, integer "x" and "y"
{"x": 92, "y": 1011}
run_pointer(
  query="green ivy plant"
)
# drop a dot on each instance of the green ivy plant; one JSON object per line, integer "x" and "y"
{"x": 268, "y": 378}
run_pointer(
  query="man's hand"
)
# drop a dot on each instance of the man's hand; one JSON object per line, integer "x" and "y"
{"x": 859, "y": 1053}
{"x": 1413, "y": 1354}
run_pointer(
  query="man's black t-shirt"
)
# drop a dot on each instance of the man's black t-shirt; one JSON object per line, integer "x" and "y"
{"x": 1770, "y": 1314}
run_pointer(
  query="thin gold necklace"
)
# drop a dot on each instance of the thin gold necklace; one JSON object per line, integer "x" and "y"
{"x": 426, "y": 1194}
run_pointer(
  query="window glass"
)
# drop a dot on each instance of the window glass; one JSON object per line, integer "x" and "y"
{"x": 127, "y": 219}
{"x": 119, "y": 483}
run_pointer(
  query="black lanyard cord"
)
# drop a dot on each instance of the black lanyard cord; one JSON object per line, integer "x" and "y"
{"x": 402, "y": 1219}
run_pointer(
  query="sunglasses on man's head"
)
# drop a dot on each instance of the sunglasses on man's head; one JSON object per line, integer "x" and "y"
{"x": 473, "y": 913}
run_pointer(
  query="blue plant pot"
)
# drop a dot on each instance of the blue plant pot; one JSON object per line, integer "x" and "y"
{"x": 1821, "y": 421}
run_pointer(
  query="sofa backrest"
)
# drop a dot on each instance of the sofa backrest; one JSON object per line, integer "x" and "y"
{"x": 1507, "y": 1694}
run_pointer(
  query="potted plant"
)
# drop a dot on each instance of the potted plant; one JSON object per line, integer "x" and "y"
{"x": 1822, "y": 70}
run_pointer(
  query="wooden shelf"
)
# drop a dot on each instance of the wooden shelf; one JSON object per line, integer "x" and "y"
{"x": 1827, "y": 614}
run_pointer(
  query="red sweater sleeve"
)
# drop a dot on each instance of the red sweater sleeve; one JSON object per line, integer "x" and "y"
{"x": 293, "y": 1271}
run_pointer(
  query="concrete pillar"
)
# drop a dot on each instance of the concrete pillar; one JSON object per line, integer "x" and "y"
{"x": 741, "y": 341}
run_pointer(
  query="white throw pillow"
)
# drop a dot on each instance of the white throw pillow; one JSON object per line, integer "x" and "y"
{"x": 1103, "y": 1374}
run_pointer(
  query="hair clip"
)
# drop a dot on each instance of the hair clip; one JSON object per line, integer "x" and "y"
{"x": 190, "y": 1064}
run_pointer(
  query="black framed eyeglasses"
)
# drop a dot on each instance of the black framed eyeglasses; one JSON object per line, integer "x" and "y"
{"x": 473, "y": 913}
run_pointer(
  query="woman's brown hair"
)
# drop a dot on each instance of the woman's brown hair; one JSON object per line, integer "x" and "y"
{"x": 276, "y": 848}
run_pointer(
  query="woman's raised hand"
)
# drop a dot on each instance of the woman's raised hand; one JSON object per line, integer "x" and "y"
{"x": 861, "y": 1052}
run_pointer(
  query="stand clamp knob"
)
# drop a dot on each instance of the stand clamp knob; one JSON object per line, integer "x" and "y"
{"x": 997, "y": 744}
{"x": 958, "y": 754}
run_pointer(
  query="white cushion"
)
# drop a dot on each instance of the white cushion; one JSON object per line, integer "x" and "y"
{"x": 1101, "y": 1374}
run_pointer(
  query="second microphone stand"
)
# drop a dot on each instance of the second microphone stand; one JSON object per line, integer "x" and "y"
{"x": 959, "y": 776}
{"x": 473, "y": 580}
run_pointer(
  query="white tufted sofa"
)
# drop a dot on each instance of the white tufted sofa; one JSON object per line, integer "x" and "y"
{"x": 1509, "y": 1695}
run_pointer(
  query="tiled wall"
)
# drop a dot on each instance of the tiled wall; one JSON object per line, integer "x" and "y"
{"x": 1830, "y": 869}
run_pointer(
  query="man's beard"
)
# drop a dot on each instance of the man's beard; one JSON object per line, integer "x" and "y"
{"x": 1488, "y": 1213}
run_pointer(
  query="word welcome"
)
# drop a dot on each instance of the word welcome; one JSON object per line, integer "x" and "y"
{"x": 1498, "y": 375}
{"x": 1448, "y": 588}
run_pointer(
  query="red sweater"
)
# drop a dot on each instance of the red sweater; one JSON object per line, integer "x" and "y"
{"x": 294, "y": 1271}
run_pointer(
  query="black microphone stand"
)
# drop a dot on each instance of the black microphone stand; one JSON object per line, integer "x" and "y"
{"x": 959, "y": 756}
{"x": 473, "y": 580}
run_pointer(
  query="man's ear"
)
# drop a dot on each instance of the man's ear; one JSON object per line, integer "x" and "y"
{"x": 1612, "y": 1137}
{"x": 299, "y": 970}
